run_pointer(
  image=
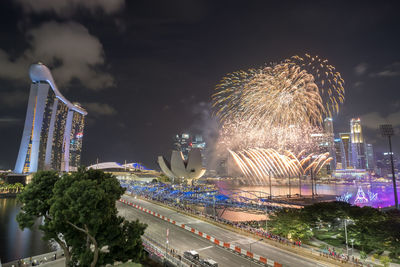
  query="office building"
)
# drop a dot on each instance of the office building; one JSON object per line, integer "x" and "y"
{"x": 53, "y": 130}
{"x": 329, "y": 141}
{"x": 358, "y": 160}
{"x": 345, "y": 149}
{"x": 369, "y": 153}
{"x": 384, "y": 165}
{"x": 185, "y": 143}
{"x": 338, "y": 154}
{"x": 182, "y": 143}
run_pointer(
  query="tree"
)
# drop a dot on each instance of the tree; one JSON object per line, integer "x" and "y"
{"x": 289, "y": 223}
{"x": 385, "y": 260}
{"x": 84, "y": 202}
{"x": 19, "y": 187}
{"x": 35, "y": 199}
{"x": 391, "y": 233}
{"x": 363, "y": 255}
{"x": 81, "y": 209}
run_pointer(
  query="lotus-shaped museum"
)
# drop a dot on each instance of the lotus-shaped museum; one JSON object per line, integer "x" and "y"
{"x": 190, "y": 169}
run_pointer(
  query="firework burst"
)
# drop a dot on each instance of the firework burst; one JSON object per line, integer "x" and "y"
{"x": 269, "y": 115}
{"x": 328, "y": 80}
{"x": 282, "y": 95}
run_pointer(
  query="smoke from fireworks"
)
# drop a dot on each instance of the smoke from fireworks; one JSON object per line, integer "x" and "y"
{"x": 279, "y": 108}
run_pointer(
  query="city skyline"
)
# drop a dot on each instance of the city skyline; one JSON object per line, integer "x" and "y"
{"x": 134, "y": 81}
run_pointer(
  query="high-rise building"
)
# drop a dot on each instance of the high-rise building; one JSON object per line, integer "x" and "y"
{"x": 369, "y": 152}
{"x": 338, "y": 154}
{"x": 329, "y": 141}
{"x": 345, "y": 148}
{"x": 358, "y": 160}
{"x": 53, "y": 130}
{"x": 182, "y": 143}
{"x": 185, "y": 142}
{"x": 384, "y": 165}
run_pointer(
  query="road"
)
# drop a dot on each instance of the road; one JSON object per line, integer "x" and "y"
{"x": 182, "y": 240}
{"x": 205, "y": 247}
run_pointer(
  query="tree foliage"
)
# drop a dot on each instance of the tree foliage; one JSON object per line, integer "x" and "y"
{"x": 80, "y": 214}
{"x": 370, "y": 228}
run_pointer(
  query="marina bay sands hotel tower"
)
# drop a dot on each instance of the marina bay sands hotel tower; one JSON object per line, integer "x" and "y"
{"x": 53, "y": 131}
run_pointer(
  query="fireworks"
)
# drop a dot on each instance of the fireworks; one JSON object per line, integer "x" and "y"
{"x": 328, "y": 80}
{"x": 259, "y": 164}
{"x": 281, "y": 95}
{"x": 271, "y": 113}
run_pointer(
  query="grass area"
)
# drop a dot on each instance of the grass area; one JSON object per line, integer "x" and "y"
{"x": 333, "y": 238}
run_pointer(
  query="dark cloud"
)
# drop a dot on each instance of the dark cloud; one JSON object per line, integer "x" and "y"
{"x": 68, "y": 48}
{"x": 372, "y": 120}
{"x": 391, "y": 70}
{"x": 15, "y": 98}
{"x": 361, "y": 68}
{"x": 164, "y": 59}
{"x": 10, "y": 122}
{"x": 99, "y": 109}
{"x": 66, "y": 8}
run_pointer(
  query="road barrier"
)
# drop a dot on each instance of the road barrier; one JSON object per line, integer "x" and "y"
{"x": 220, "y": 243}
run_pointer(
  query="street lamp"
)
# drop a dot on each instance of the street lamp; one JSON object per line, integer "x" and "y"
{"x": 352, "y": 246}
{"x": 270, "y": 185}
{"x": 387, "y": 130}
{"x": 252, "y": 244}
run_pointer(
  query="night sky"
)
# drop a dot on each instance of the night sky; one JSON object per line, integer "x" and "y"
{"x": 145, "y": 70}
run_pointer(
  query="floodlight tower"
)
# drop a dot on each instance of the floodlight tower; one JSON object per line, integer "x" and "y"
{"x": 387, "y": 130}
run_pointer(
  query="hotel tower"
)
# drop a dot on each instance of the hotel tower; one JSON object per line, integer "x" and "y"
{"x": 53, "y": 131}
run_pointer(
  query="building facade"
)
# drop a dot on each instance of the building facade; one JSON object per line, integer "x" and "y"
{"x": 345, "y": 149}
{"x": 338, "y": 154}
{"x": 53, "y": 130}
{"x": 370, "y": 157}
{"x": 330, "y": 141}
{"x": 185, "y": 143}
{"x": 358, "y": 160}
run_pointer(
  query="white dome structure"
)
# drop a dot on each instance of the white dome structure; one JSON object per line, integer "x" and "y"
{"x": 179, "y": 168}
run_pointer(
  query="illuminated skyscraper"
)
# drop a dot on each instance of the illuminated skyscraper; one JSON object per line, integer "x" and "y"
{"x": 329, "y": 141}
{"x": 345, "y": 148}
{"x": 369, "y": 153}
{"x": 185, "y": 142}
{"x": 338, "y": 154}
{"x": 53, "y": 131}
{"x": 358, "y": 160}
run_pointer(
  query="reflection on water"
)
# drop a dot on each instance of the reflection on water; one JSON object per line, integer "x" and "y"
{"x": 14, "y": 243}
{"x": 384, "y": 193}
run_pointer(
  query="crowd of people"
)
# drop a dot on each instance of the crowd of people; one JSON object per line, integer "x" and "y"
{"x": 340, "y": 256}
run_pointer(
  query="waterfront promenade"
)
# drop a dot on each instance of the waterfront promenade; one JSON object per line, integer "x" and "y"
{"x": 54, "y": 258}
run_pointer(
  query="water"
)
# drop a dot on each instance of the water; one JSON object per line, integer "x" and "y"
{"x": 14, "y": 243}
{"x": 376, "y": 195}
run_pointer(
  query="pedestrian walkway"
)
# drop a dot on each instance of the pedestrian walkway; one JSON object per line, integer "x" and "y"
{"x": 47, "y": 259}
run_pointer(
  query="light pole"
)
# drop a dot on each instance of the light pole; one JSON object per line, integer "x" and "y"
{"x": 345, "y": 233}
{"x": 312, "y": 184}
{"x": 352, "y": 246}
{"x": 387, "y": 130}
{"x": 252, "y": 244}
{"x": 270, "y": 185}
{"x": 299, "y": 184}
{"x": 215, "y": 218}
